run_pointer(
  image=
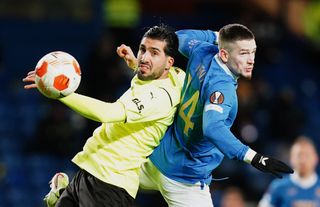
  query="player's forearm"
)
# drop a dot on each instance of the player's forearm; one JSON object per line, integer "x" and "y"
{"x": 230, "y": 146}
{"x": 200, "y": 35}
{"x": 94, "y": 109}
{"x": 189, "y": 39}
{"x": 226, "y": 142}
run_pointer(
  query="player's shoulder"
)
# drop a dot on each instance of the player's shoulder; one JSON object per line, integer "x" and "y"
{"x": 221, "y": 81}
{"x": 217, "y": 77}
{"x": 202, "y": 49}
{"x": 178, "y": 70}
{"x": 206, "y": 48}
{"x": 281, "y": 183}
{"x": 178, "y": 75}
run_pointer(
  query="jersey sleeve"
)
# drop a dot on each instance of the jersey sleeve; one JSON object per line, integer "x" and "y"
{"x": 94, "y": 109}
{"x": 219, "y": 100}
{"x": 188, "y": 39}
{"x": 149, "y": 104}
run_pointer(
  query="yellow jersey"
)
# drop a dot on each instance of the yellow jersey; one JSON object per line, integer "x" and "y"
{"x": 116, "y": 151}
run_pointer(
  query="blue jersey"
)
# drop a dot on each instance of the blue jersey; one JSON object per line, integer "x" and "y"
{"x": 200, "y": 136}
{"x": 289, "y": 192}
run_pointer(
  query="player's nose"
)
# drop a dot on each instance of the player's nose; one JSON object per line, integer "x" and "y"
{"x": 251, "y": 60}
{"x": 145, "y": 58}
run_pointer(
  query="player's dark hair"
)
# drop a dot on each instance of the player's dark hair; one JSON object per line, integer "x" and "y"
{"x": 235, "y": 32}
{"x": 304, "y": 139}
{"x": 164, "y": 33}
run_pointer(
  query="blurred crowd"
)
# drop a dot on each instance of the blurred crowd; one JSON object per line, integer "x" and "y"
{"x": 38, "y": 136}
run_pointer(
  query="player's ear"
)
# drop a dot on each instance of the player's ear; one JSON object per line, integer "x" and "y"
{"x": 170, "y": 62}
{"x": 224, "y": 55}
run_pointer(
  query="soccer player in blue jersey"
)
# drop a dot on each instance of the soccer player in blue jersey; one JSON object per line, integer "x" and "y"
{"x": 301, "y": 189}
{"x": 181, "y": 166}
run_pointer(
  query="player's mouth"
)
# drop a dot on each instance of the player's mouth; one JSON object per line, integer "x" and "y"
{"x": 249, "y": 69}
{"x": 144, "y": 67}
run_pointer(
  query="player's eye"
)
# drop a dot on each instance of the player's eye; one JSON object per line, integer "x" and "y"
{"x": 244, "y": 53}
{"x": 142, "y": 49}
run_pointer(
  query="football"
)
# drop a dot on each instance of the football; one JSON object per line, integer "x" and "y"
{"x": 57, "y": 75}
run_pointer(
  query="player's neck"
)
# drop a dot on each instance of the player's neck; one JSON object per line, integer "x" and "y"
{"x": 304, "y": 181}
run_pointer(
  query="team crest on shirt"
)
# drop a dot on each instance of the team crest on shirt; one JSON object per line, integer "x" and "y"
{"x": 217, "y": 97}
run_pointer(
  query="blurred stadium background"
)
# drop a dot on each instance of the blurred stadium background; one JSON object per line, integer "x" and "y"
{"x": 38, "y": 136}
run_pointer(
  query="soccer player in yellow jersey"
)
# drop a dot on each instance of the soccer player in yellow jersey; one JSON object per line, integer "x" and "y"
{"x": 131, "y": 127}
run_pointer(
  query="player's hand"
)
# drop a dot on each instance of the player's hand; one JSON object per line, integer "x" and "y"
{"x": 30, "y": 80}
{"x": 270, "y": 165}
{"x": 126, "y": 53}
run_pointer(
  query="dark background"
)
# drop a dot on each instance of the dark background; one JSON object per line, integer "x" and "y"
{"x": 39, "y": 136}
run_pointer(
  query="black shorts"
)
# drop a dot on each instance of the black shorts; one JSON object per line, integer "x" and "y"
{"x": 85, "y": 190}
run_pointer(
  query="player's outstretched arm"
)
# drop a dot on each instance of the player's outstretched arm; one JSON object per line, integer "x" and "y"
{"x": 201, "y": 35}
{"x": 88, "y": 107}
{"x": 30, "y": 80}
{"x": 126, "y": 53}
{"x": 270, "y": 165}
{"x": 94, "y": 109}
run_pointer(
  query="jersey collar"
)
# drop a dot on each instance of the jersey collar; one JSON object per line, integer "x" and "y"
{"x": 304, "y": 182}
{"x": 224, "y": 67}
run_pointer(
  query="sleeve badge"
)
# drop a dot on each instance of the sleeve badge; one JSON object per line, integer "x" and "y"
{"x": 217, "y": 97}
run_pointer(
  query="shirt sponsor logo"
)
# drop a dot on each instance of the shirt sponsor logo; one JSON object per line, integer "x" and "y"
{"x": 138, "y": 104}
{"x": 201, "y": 72}
{"x": 217, "y": 97}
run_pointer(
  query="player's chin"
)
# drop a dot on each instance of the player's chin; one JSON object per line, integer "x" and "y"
{"x": 144, "y": 76}
{"x": 247, "y": 76}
